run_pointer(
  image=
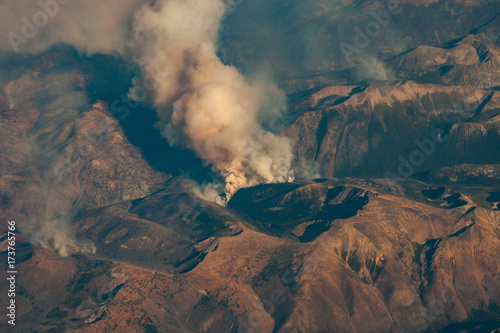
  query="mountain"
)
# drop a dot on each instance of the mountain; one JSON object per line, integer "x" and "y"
{"x": 391, "y": 225}
{"x": 362, "y": 130}
{"x": 293, "y": 254}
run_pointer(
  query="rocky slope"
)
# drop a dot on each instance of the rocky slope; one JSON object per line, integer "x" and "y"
{"x": 388, "y": 264}
{"x": 60, "y": 152}
{"x": 402, "y": 233}
{"x": 364, "y": 130}
{"x": 308, "y": 39}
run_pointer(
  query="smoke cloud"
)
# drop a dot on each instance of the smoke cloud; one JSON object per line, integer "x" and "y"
{"x": 371, "y": 68}
{"x": 204, "y": 104}
{"x": 90, "y": 26}
{"x": 55, "y": 234}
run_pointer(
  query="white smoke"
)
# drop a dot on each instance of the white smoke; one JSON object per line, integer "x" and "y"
{"x": 205, "y": 105}
{"x": 55, "y": 234}
{"x": 210, "y": 192}
{"x": 371, "y": 68}
{"x": 91, "y": 26}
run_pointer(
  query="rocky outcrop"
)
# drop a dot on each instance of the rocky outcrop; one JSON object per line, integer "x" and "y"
{"x": 391, "y": 265}
{"x": 377, "y": 128}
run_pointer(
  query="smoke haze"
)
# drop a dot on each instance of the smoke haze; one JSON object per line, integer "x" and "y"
{"x": 55, "y": 234}
{"x": 203, "y": 104}
{"x": 90, "y": 26}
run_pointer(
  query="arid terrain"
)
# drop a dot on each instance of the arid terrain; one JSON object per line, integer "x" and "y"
{"x": 391, "y": 223}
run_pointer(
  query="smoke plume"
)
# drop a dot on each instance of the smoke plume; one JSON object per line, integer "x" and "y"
{"x": 204, "y": 104}
{"x": 55, "y": 234}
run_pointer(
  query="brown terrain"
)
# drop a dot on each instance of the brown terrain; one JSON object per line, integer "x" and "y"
{"x": 111, "y": 239}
